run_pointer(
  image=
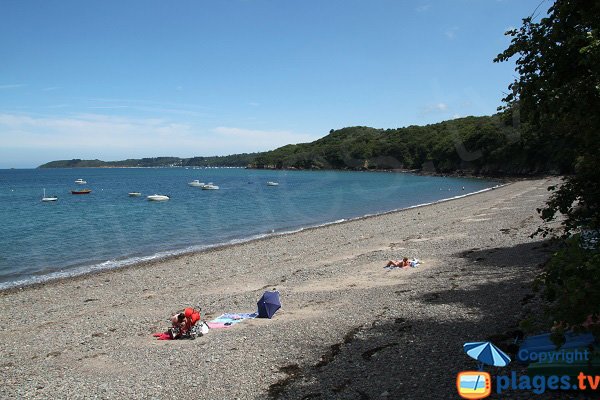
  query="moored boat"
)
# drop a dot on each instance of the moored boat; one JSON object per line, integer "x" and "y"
{"x": 196, "y": 183}
{"x": 49, "y": 198}
{"x": 81, "y": 191}
{"x": 271, "y": 183}
{"x": 158, "y": 197}
{"x": 134, "y": 194}
{"x": 210, "y": 186}
{"x": 80, "y": 181}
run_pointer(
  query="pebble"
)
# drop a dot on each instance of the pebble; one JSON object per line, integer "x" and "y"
{"x": 329, "y": 339}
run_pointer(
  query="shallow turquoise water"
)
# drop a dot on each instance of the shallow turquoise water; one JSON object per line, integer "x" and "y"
{"x": 107, "y": 228}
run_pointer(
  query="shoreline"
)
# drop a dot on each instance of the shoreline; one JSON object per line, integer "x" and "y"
{"x": 347, "y": 326}
{"x": 135, "y": 262}
{"x": 501, "y": 177}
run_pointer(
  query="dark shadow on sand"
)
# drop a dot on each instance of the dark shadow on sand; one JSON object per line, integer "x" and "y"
{"x": 412, "y": 357}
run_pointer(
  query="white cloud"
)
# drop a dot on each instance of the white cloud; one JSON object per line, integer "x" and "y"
{"x": 107, "y": 107}
{"x": 153, "y": 107}
{"x": 435, "y": 108}
{"x": 260, "y": 140}
{"x": 11, "y": 86}
{"x": 451, "y": 32}
{"x": 441, "y": 106}
{"x": 92, "y": 131}
{"x": 113, "y": 137}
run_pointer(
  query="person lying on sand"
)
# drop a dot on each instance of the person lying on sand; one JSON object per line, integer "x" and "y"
{"x": 401, "y": 264}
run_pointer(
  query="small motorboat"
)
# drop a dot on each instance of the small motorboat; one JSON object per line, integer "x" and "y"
{"x": 158, "y": 197}
{"x": 196, "y": 183}
{"x": 81, "y": 191}
{"x": 271, "y": 183}
{"x": 80, "y": 181}
{"x": 49, "y": 198}
{"x": 210, "y": 186}
{"x": 134, "y": 194}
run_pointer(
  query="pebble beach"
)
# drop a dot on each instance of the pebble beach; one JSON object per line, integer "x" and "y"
{"x": 347, "y": 329}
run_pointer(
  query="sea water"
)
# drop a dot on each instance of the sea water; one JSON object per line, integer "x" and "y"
{"x": 108, "y": 229}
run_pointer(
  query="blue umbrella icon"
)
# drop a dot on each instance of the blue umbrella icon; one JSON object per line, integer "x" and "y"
{"x": 486, "y": 353}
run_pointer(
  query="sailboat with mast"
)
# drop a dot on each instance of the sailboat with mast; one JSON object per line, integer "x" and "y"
{"x": 49, "y": 198}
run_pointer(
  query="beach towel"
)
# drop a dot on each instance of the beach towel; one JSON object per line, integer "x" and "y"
{"x": 198, "y": 330}
{"x": 162, "y": 336}
{"x": 217, "y": 325}
{"x": 229, "y": 319}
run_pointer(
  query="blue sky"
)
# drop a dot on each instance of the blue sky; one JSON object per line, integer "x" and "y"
{"x": 126, "y": 79}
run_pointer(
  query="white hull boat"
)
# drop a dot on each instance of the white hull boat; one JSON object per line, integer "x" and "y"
{"x": 134, "y": 194}
{"x": 210, "y": 186}
{"x": 158, "y": 197}
{"x": 272, "y": 183}
{"x": 196, "y": 183}
{"x": 49, "y": 198}
{"x": 80, "y": 181}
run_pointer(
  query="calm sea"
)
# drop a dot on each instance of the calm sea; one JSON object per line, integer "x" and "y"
{"x": 108, "y": 229}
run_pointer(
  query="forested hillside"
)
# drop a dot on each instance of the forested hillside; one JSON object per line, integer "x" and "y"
{"x": 479, "y": 145}
{"x": 488, "y": 145}
{"x": 235, "y": 160}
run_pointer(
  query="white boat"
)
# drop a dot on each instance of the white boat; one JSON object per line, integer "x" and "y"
{"x": 134, "y": 194}
{"x": 80, "y": 181}
{"x": 196, "y": 183}
{"x": 210, "y": 186}
{"x": 270, "y": 183}
{"x": 158, "y": 197}
{"x": 49, "y": 198}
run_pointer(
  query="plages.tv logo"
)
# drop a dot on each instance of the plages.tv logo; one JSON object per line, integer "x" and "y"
{"x": 473, "y": 384}
{"x": 478, "y": 384}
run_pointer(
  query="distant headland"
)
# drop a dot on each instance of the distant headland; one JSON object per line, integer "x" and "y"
{"x": 486, "y": 145}
{"x": 236, "y": 160}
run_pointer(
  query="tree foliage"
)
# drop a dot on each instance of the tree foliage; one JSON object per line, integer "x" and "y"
{"x": 488, "y": 145}
{"x": 571, "y": 281}
{"x": 235, "y": 160}
{"x": 557, "y": 94}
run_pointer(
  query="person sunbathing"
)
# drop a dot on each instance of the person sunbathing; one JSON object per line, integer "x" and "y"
{"x": 183, "y": 322}
{"x": 182, "y": 326}
{"x": 400, "y": 264}
{"x": 178, "y": 322}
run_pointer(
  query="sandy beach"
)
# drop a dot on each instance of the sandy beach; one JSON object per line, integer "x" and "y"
{"x": 348, "y": 328}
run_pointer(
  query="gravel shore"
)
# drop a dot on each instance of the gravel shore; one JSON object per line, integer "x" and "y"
{"x": 348, "y": 328}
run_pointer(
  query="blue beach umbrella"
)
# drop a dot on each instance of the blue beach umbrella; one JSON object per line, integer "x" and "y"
{"x": 486, "y": 353}
{"x": 268, "y": 304}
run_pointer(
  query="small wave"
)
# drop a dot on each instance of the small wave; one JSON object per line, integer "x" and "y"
{"x": 125, "y": 262}
{"x": 443, "y": 200}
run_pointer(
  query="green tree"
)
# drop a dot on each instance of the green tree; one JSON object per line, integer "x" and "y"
{"x": 557, "y": 94}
